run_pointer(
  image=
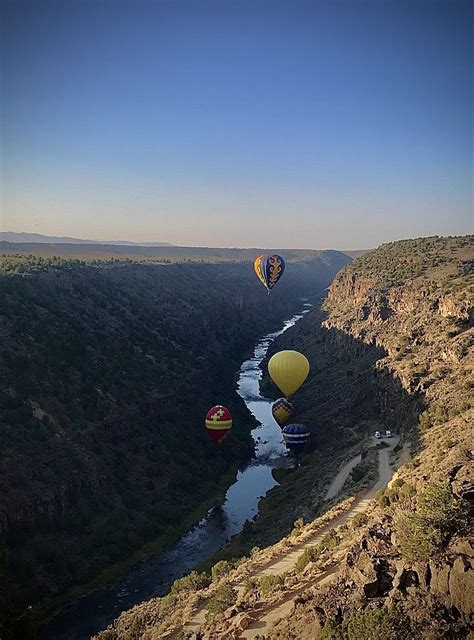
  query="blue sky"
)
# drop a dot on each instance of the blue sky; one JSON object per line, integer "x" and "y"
{"x": 264, "y": 123}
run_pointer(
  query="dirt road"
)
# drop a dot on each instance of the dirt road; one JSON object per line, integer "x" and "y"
{"x": 266, "y": 618}
{"x": 341, "y": 477}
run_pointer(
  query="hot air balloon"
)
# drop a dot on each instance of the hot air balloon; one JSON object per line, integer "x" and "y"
{"x": 288, "y": 370}
{"x": 218, "y": 423}
{"x": 296, "y": 436}
{"x": 269, "y": 269}
{"x": 282, "y": 411}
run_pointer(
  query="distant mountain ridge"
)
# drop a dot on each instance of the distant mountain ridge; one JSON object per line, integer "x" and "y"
{"x": 13, "y": 236}
{"x": 166, "y": 254}
{"x": 38, "y": 238}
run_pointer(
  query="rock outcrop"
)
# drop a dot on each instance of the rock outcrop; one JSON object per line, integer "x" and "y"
{"x": 414, "y": 300}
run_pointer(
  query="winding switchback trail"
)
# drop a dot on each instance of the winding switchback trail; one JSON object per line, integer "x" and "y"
{"x": 265, "y": 616}
{"x": 339, "y": 480}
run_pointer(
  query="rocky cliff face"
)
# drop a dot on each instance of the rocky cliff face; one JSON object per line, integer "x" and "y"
{"x": 414, "y": 600}
{"x": 413, "y": 564}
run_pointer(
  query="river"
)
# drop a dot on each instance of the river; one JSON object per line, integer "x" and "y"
{"x": 94, "y": 611}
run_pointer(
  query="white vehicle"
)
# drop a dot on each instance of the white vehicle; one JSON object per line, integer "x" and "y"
{"x": 377, "y": 434}
{"x": 388, "y": 433}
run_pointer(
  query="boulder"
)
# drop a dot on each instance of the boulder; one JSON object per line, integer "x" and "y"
{"x": 464, "y": 489}
{"x": 405, "y": 578}
{"x": 439, "y": 584}
{"x": 462, "y": 546}
{"x": 372, "y": 589}
{"x": 424, "y": 575}
{"x": 461, "y": 586}
{"x": 242, "y": 621}
{"x": 231, "y": 612}
{"x": 363, "y": 570}
{"x": 372, "y": 575}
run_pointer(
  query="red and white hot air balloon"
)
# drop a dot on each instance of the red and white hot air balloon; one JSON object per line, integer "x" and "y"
{"x": 218, "y": 423}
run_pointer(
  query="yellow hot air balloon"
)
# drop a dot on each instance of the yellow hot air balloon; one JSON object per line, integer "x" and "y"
{"x": 288, "y": 370}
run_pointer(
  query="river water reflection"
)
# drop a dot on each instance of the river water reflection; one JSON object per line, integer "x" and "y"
{"x": 152, "y": 578}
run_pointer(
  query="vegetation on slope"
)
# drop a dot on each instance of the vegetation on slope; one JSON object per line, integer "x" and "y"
{"x": 108, "y": 370}
{"x": 21, "y": 252}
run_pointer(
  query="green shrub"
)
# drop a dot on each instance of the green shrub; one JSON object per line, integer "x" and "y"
{"x": 381, "y": 499}
{"x": 297, "y": 526}
{"x": 221, "y": 569}
{"x": 417, "y": 539}
{"x": 440, "y": 414}
{"x": 399, "y": 491}
{"x": 425, "y": 421}
{"x": 331, "y": 632}
{"x": 377, "y": 624}
{"x": 398, "y": 482}
{"x": 438, "y": 513}
{"x": 308, "y": 555}
{"x": 329, "y": 541}
{"x": 192, "y": 582}
{"x": 387, "y": 623}
{"x": 136, "y": 629}
{"x": 268, "y": 583}
{"x": 224, "y": 598}
{"x": 167, "y": 603}
{"x": 108, "y": 634}
{"x": 406, "y": 491}
{"x": 359, "y": 520}
{"x": 438, "y": 505}
{"x": 359, "y": 472}
{"x": 312, "y": 554}
{"x": 251, "y": 583}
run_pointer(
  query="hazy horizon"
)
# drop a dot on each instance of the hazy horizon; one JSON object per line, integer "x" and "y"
{"x": 203, "y": 246}
{"x": 280, "y": 124}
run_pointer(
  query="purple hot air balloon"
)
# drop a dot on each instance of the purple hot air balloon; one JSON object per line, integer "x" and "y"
{"x": 269, "y": 269}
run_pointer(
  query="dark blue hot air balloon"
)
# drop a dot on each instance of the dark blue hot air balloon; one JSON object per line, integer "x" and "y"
{"x": 296, "y": 436}
{"x": 269, "y": 269}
